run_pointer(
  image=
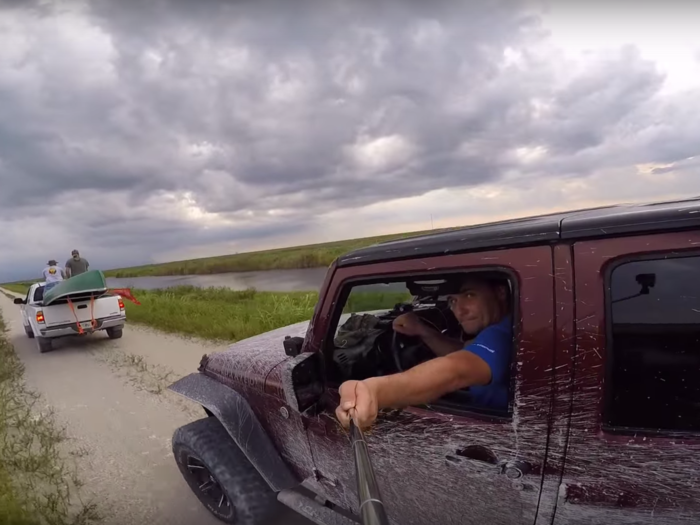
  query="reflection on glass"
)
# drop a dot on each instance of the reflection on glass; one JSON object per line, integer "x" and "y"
{"x": 655, "y": 347}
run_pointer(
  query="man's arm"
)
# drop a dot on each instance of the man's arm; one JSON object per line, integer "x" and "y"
{"x": 67, "y": 269}
{"x": 421, "y": 384}
{"x": 429, "y": 381}
{"x": 440, "y": 344}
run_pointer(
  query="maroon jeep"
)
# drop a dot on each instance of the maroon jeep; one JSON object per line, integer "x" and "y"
{"x": 603, "y": 423}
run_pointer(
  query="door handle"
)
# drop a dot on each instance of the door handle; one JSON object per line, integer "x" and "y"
{"x": 516, "y": 469}
{"x": 478, "y": 453}
{"x": 513, "y": 469}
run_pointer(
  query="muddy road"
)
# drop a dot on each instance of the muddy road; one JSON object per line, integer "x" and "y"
{"x": 111, "y": 396}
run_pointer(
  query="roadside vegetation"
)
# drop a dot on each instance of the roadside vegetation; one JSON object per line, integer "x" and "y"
{"x": 310, "y": 256}
{"x": 18, "y": 287}
{"x": 37, "y": 483}
{"x": 223, "y": 314}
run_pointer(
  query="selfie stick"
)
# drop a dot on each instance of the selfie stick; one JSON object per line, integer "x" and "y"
{"x": 371, "y": 506}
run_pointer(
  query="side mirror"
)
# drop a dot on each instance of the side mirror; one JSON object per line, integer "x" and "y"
{"x": 19, "y": 300}
{"x": 292, "y": 345}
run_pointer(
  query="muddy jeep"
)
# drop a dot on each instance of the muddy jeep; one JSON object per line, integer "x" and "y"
{"x": 602, "y": 421}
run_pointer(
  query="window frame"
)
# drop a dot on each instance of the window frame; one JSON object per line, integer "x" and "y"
{"x": 453, "y": 408}
{"x": 36, "y": 290}
{"x": 609, "y": 385}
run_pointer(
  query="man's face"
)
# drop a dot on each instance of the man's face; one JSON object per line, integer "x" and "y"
{"x": 478, "y": 305}
{"x": 76, "y": 255}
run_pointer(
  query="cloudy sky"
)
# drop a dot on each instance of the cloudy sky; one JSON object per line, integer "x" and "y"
{"x": 151, "y": 131}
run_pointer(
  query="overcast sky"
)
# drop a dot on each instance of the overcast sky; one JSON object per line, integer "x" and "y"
{"x": 184, "y": 129}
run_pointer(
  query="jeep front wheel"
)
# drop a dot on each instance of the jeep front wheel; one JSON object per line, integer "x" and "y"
{"x": 220, "y": 475}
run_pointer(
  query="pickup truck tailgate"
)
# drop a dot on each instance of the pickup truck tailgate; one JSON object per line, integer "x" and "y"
{"x": 61, "y": 314}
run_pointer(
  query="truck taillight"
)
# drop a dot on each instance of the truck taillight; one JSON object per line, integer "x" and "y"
{"x": 40, "y": 317}
{"x": 121, "y": 304}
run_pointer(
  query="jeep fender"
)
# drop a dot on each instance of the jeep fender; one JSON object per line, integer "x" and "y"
{"x": 239, "y": 420}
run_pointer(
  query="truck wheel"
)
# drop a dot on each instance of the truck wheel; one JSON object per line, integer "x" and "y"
{"x": 44, "y": 344}
{"x": 220, "y": 475}
{"x": 30, "y": 333}
{"x": 114, "y": 333}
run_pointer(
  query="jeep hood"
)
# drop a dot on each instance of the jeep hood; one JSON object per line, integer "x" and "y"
{"x": 249, "y": 361}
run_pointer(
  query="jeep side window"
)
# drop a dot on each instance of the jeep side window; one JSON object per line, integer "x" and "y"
{"x": 363, "y": 343}
{"x": 654, "y": 344}
{"x": 39, "y": 294}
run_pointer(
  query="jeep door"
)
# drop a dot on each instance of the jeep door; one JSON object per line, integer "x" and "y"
{"x": 634, "y": 444}
{"x": 454, "y": 465}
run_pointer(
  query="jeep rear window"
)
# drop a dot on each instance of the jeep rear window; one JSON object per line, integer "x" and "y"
{"x": 653, "y": 359}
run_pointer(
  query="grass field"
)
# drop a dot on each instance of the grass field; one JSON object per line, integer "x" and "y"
{"x": 224, "y": 314}
{"x": 17, "y": 287}
{"x": 311, "y": 256}
{"x": 37, "y": 484}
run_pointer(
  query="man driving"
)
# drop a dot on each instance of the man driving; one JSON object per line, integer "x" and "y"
{"x": 482, "y": 364}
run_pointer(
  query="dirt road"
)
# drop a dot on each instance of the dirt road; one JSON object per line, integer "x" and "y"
{"x": 111, "y": 395}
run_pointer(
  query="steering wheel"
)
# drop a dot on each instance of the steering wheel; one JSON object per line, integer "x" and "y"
{"x": 397, "y": 349}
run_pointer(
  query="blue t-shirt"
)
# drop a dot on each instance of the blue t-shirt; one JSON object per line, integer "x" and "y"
{"x": 493, "y": 345}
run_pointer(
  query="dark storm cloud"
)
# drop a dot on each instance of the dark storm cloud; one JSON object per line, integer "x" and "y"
{"x": 301, "y": 143}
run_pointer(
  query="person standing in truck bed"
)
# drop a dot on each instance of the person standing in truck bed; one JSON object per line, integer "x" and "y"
{"x": 76, "y": 265}
{"x": 52, "y": 275}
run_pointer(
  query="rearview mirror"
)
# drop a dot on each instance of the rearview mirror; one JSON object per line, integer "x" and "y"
{"x": 18, "y": 300}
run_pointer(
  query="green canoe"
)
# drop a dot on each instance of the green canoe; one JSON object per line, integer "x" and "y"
{"x": 79, "y": 286}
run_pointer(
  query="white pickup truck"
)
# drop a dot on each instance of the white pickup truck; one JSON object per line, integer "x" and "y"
{"x": 45, "y": 323}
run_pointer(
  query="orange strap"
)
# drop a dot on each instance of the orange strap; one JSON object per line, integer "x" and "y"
{"x": 93, "y": 322}
{"x": 77, "y": 322}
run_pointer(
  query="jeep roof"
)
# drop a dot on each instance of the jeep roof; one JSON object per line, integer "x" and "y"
{"x": 572, "y": 225}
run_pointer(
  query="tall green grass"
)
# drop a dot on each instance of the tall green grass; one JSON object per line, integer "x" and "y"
{"x": 37, "y": 485}
{"x": 223, "y": 314}
{"x": 18, "y": 287}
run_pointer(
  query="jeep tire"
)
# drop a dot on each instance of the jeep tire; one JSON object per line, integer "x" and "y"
{"x": 114, "y": 333}
{"x": 233, "y": 490}
{"x": 30, "y": 333}
{"x": 44, "y": 344}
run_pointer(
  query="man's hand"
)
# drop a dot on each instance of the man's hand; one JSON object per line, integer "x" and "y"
{"x": 357, "y": 399}
{"x": 410, "y": 324}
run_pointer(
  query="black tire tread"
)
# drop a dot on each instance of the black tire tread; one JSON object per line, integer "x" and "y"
{"x": 249, "y": 493}
{"x": 47, "y": 345}
{"x": 30, "y": 333}
{"x": 114, "y": 333}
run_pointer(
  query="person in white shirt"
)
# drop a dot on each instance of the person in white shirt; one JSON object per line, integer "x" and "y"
{"x": 52, "y": 275}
